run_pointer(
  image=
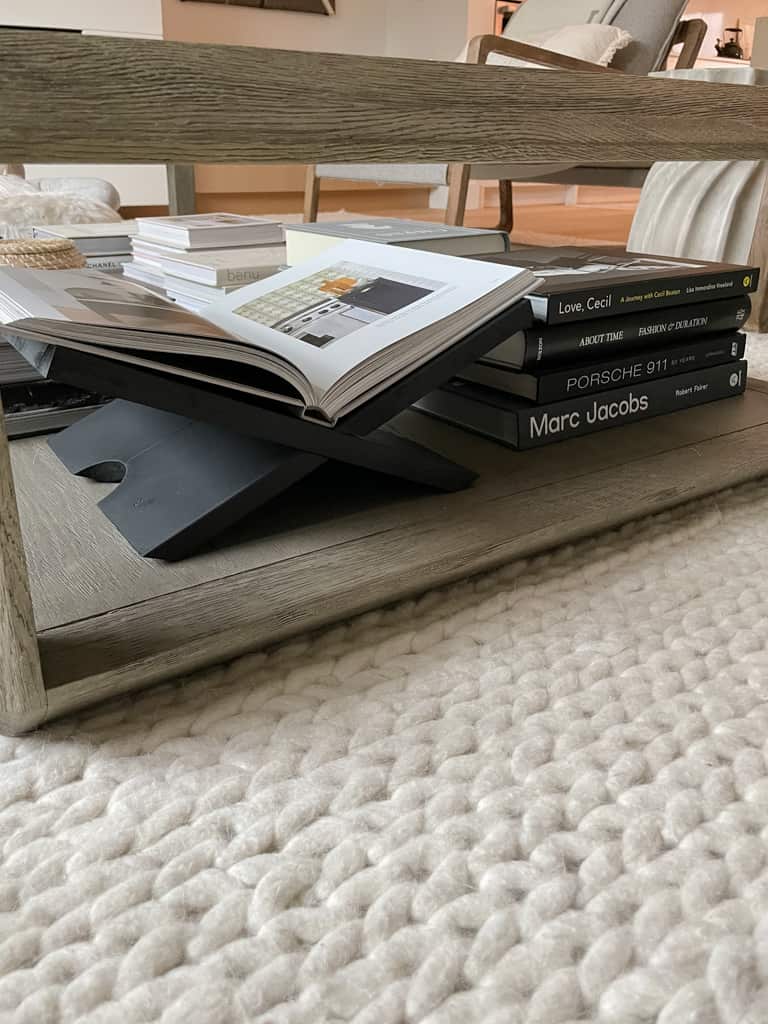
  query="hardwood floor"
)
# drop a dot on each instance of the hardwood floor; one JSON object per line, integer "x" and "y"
{"x": 603, "y": 217}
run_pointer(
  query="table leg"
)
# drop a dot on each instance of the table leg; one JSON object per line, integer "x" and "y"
{"x": 22, "y": 692}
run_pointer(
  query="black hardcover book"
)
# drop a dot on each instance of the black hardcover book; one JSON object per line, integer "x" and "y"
{"x": 590, "y": 378}
{"x": 521, "y": 424}
{"x": 586, "y": 283}
{"x": 565, "y": 344}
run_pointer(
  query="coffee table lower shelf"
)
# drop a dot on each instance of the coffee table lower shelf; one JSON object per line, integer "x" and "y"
{"x": 342, "y": 542}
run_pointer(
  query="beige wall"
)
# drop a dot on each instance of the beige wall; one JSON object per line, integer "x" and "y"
{"x": 435, "y": 29}
{"x": 129, "y": 17}
{"x": 745, "y": 11}
{"x": 432, "y": 29}
{"x": 760, "y": 49}
{"x": 359, "y": 27}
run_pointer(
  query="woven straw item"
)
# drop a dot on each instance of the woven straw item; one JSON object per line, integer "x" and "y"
{"x": 41, "y": 254}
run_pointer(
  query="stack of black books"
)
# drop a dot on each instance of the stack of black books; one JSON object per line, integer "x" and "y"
{"x": 618, "y": 337}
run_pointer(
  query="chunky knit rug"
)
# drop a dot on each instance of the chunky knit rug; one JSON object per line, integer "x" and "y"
{"x": 539, "y": 796}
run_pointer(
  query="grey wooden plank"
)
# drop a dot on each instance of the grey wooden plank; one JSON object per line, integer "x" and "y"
{"x": 180, "y": 108}
{"x": 22, "y": 693}
{"x": 181, "y": 189}
{"x": 133, "y": 646}
{"x": 80, "y": 566}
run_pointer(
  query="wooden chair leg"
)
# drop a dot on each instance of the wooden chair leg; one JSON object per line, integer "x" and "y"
{"x": 458, "y": 184}
{"x": 181, "y": 189}
{"x": 506, "y": 206}
{"x": 23, "y": 702}
{"x": 758, "y": 256}
{"x": 311, "y": 195}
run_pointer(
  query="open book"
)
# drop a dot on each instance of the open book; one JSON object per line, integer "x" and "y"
{"x": 324, "y": 336}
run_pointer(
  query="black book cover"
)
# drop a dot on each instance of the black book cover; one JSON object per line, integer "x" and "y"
{"x": 521, "y": 424}
{"x": 581, "y": 283}
{"x": 542, "y": 347}
{"x": 590, "y": 378}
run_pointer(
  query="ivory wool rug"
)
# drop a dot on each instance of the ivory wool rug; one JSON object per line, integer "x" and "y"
{"x": 537, "y": 796}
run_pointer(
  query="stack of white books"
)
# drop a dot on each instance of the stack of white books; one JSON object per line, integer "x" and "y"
{"x": 198, "y": 258}
{"x": 106, "y": 246}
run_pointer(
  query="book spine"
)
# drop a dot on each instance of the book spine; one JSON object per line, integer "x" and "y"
{"x": 482, "y": 418}
{"x": 106, "y": 262}
{"x": 227, "y": 277}
{"x": 608, "y": 336}
{"x": 561, "y": 420}
{"x": 592, "y": 378}
{"x": 621, "y": 298}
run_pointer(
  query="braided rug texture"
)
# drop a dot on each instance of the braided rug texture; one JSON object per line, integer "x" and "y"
{"x": 538, "y": 796}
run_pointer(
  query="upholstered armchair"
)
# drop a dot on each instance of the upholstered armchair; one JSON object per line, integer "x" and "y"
{"x": 655, "y": 27}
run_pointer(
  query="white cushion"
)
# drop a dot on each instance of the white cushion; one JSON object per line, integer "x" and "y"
{"x": 12, "y": 185}
{"x": 594, "y": 43}
{"x": 98, "y": 189}
{"x": 537, "y": 16}
{"x": 18, "y": 213}
{"x": 406, "y": 174}
{"x": 597, "y": 44}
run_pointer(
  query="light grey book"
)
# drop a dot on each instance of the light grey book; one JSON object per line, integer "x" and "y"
{"x": 224, "y": 268}
{"x": 209, "y": 230}
{"x": 135, "y": 270}
{"x": 303, "y": 241}
{"x": 110, "y": 238}
{"x": 108, "y": 263}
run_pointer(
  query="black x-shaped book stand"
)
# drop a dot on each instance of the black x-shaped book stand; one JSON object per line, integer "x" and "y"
{"x": 192, "y": 460}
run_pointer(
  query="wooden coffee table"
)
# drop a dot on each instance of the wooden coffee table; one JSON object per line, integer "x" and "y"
{"x": 81, "y": 616}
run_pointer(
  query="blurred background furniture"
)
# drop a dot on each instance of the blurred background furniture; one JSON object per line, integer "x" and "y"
{"x": 55, "y": 200}
{"x": 504, "y": 9}
{"x": 714, "y": 210}
{"x": 655, "y": 26}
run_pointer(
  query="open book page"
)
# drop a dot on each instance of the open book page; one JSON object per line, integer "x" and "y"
{"x": 331, "y": 313}
{"x": 101, "y": 300}
{"x": 250, "y": 381}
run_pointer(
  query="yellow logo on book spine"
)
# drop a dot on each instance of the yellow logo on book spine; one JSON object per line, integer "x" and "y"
{"x": 748, "y": 281}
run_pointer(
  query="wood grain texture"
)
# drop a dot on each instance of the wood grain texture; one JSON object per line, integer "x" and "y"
{"x": 311, "y": 194}
{"x": 152, "y": 640}
{"x": 22, "y": 693}
{"x": 80, "y": 567}
{"x": 180, "y": 103}
{"x": 506, "y": 206}
{"x": 110, "y": 621}
{"x": 458, "y": 185}
{"x": 181, "y": 189}
{"x": 691, "y": 34}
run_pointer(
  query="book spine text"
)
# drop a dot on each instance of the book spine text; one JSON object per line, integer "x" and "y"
{"x": 574, "y": 417}
{"x": 644, "y": 366}
{"x": 608, "y": 336}
{"x": 618, "y": 299}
